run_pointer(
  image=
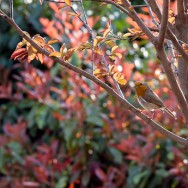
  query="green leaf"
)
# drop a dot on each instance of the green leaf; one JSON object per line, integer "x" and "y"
{"x": 117, "y": 155}
{"x": 94, "y": 120}
{"x": 137, "y": 178}
{"x": 1, "y": 159}
{"x": 62, "y": 183}
{"x": 162, "y": 172}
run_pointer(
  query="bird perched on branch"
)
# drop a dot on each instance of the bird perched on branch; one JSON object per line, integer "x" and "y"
{"x": 148, "y": 99}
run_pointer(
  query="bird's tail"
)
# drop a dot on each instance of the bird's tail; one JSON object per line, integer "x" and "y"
{"x": 169, "y": 112}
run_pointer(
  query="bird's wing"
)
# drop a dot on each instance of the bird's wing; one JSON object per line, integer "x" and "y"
{"x": 152, "y": 97}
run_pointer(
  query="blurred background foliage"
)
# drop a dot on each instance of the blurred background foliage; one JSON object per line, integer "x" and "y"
{"x": 60, "y": 130}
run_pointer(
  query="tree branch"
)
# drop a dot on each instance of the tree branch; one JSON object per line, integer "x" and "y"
{"x": 124, "y": 102}
{"x": 173, "y": 82}
{"x": 164, "y": 21}
{"x": 155, "y": 8}
{"x": 181, "y": 10}
{"x": 11, "y": 9}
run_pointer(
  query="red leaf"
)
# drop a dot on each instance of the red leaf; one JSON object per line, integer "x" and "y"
{"x": 17, "y": 53}
{"x": 100, "y": 174}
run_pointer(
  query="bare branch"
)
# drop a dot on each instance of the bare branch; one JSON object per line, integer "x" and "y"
{"x": 155, "y": 8}
{"x": 186, "y": 5}
{"x": 164, "y": 22}
{"x": 124, "y": 102}
{"x": 181, "y": 10}
{"x": 11, "y": 9}
{"x": 153, "y": 4}
{"x": 173, "y": 82}
{"x": 177, "y": 45}
{"x": 151, "y": 14}
{"x": 172, "y": 54}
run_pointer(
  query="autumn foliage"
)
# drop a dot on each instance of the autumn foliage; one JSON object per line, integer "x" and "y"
{"x": 61, "y": 130}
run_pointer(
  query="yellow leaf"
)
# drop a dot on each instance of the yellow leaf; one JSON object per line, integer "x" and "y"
{"x": 117, "y": 76}
{"x": 118, "y": 55}
{"x": 69, "y": 54}
{"x": 131, "y": 8}
{"x": 97, "y": 40}
{"x": 63, "y": 49}
{"x": 49, "y": 48}
{"x": 110, "y": 43}
{"x": 68, "y": 2}
{"x": 74, "y": 14}
{"x": 172, "y": 20}
{"x": 31, "y": 54}
{"x": 178, "y": 56}
{"x": 127, "y": 35}
{"x": 52, "y": 41}
{"x": 39, "y": 40}
{"x": 98, "y": 51}
{"x": 122, "y": 81}
{"x": 105, "y": 34}
{"x": 119, "y": 2}
{"x": 21, "y": 44}
{"x": 55, "y": 54}
{"x": 100, "y": 73}
{"x": 40, "y": 57}
{"x": 113, "y": 57}
{"x": 85, "y": 46}
{"x": 114, "y": 48}
{"x": 111, "y": 67}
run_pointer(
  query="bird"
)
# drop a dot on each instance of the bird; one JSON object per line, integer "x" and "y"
{"x": 148, "y": 99}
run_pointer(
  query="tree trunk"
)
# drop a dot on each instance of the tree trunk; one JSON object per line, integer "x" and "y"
{"x": 182, "y": 34}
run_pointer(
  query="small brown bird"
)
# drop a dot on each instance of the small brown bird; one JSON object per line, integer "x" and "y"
{"x": 148, "y": 99}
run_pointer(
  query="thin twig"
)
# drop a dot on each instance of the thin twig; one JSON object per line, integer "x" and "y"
{"x": 153, "y": 4}
{"x": 107, "y": 66}
{"x": 92, "y": 36}
{"x": 164, "y": 21}
{"x": 172, "y": 54}
{"x": 181, "y": 10}
{"x": 11, "y": 9}
{"x": 151, "y": 14}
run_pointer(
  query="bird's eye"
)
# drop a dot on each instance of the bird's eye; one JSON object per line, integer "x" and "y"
{"x": 140, "y": 83}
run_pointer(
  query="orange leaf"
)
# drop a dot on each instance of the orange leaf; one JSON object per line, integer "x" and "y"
{"x": 52, "y": 41}
{"x": 112, "y": 67}
{"x": 110, "y": 43}
{"x": 31, "y": 54}
{"x": 74, "y": 14}
{"x": 55, "y": 54}
{"x": 63, "y": 49}
{"x": 105, "y": 34}
{"x": 97, "y": 40}
{"x": 69, "y": 54}
{"x": 122, "y": 81}
{"x": 17, "y": 52}
{"x": 68, "y": 2}
{"x": 39, "y": 40}
{"x": 114, "y": 48}
{"x": 49, "y": 48}
{"x": 21, "y": 44}
{"x": 40, "y": 57}
{"x": 100, "y": 73}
